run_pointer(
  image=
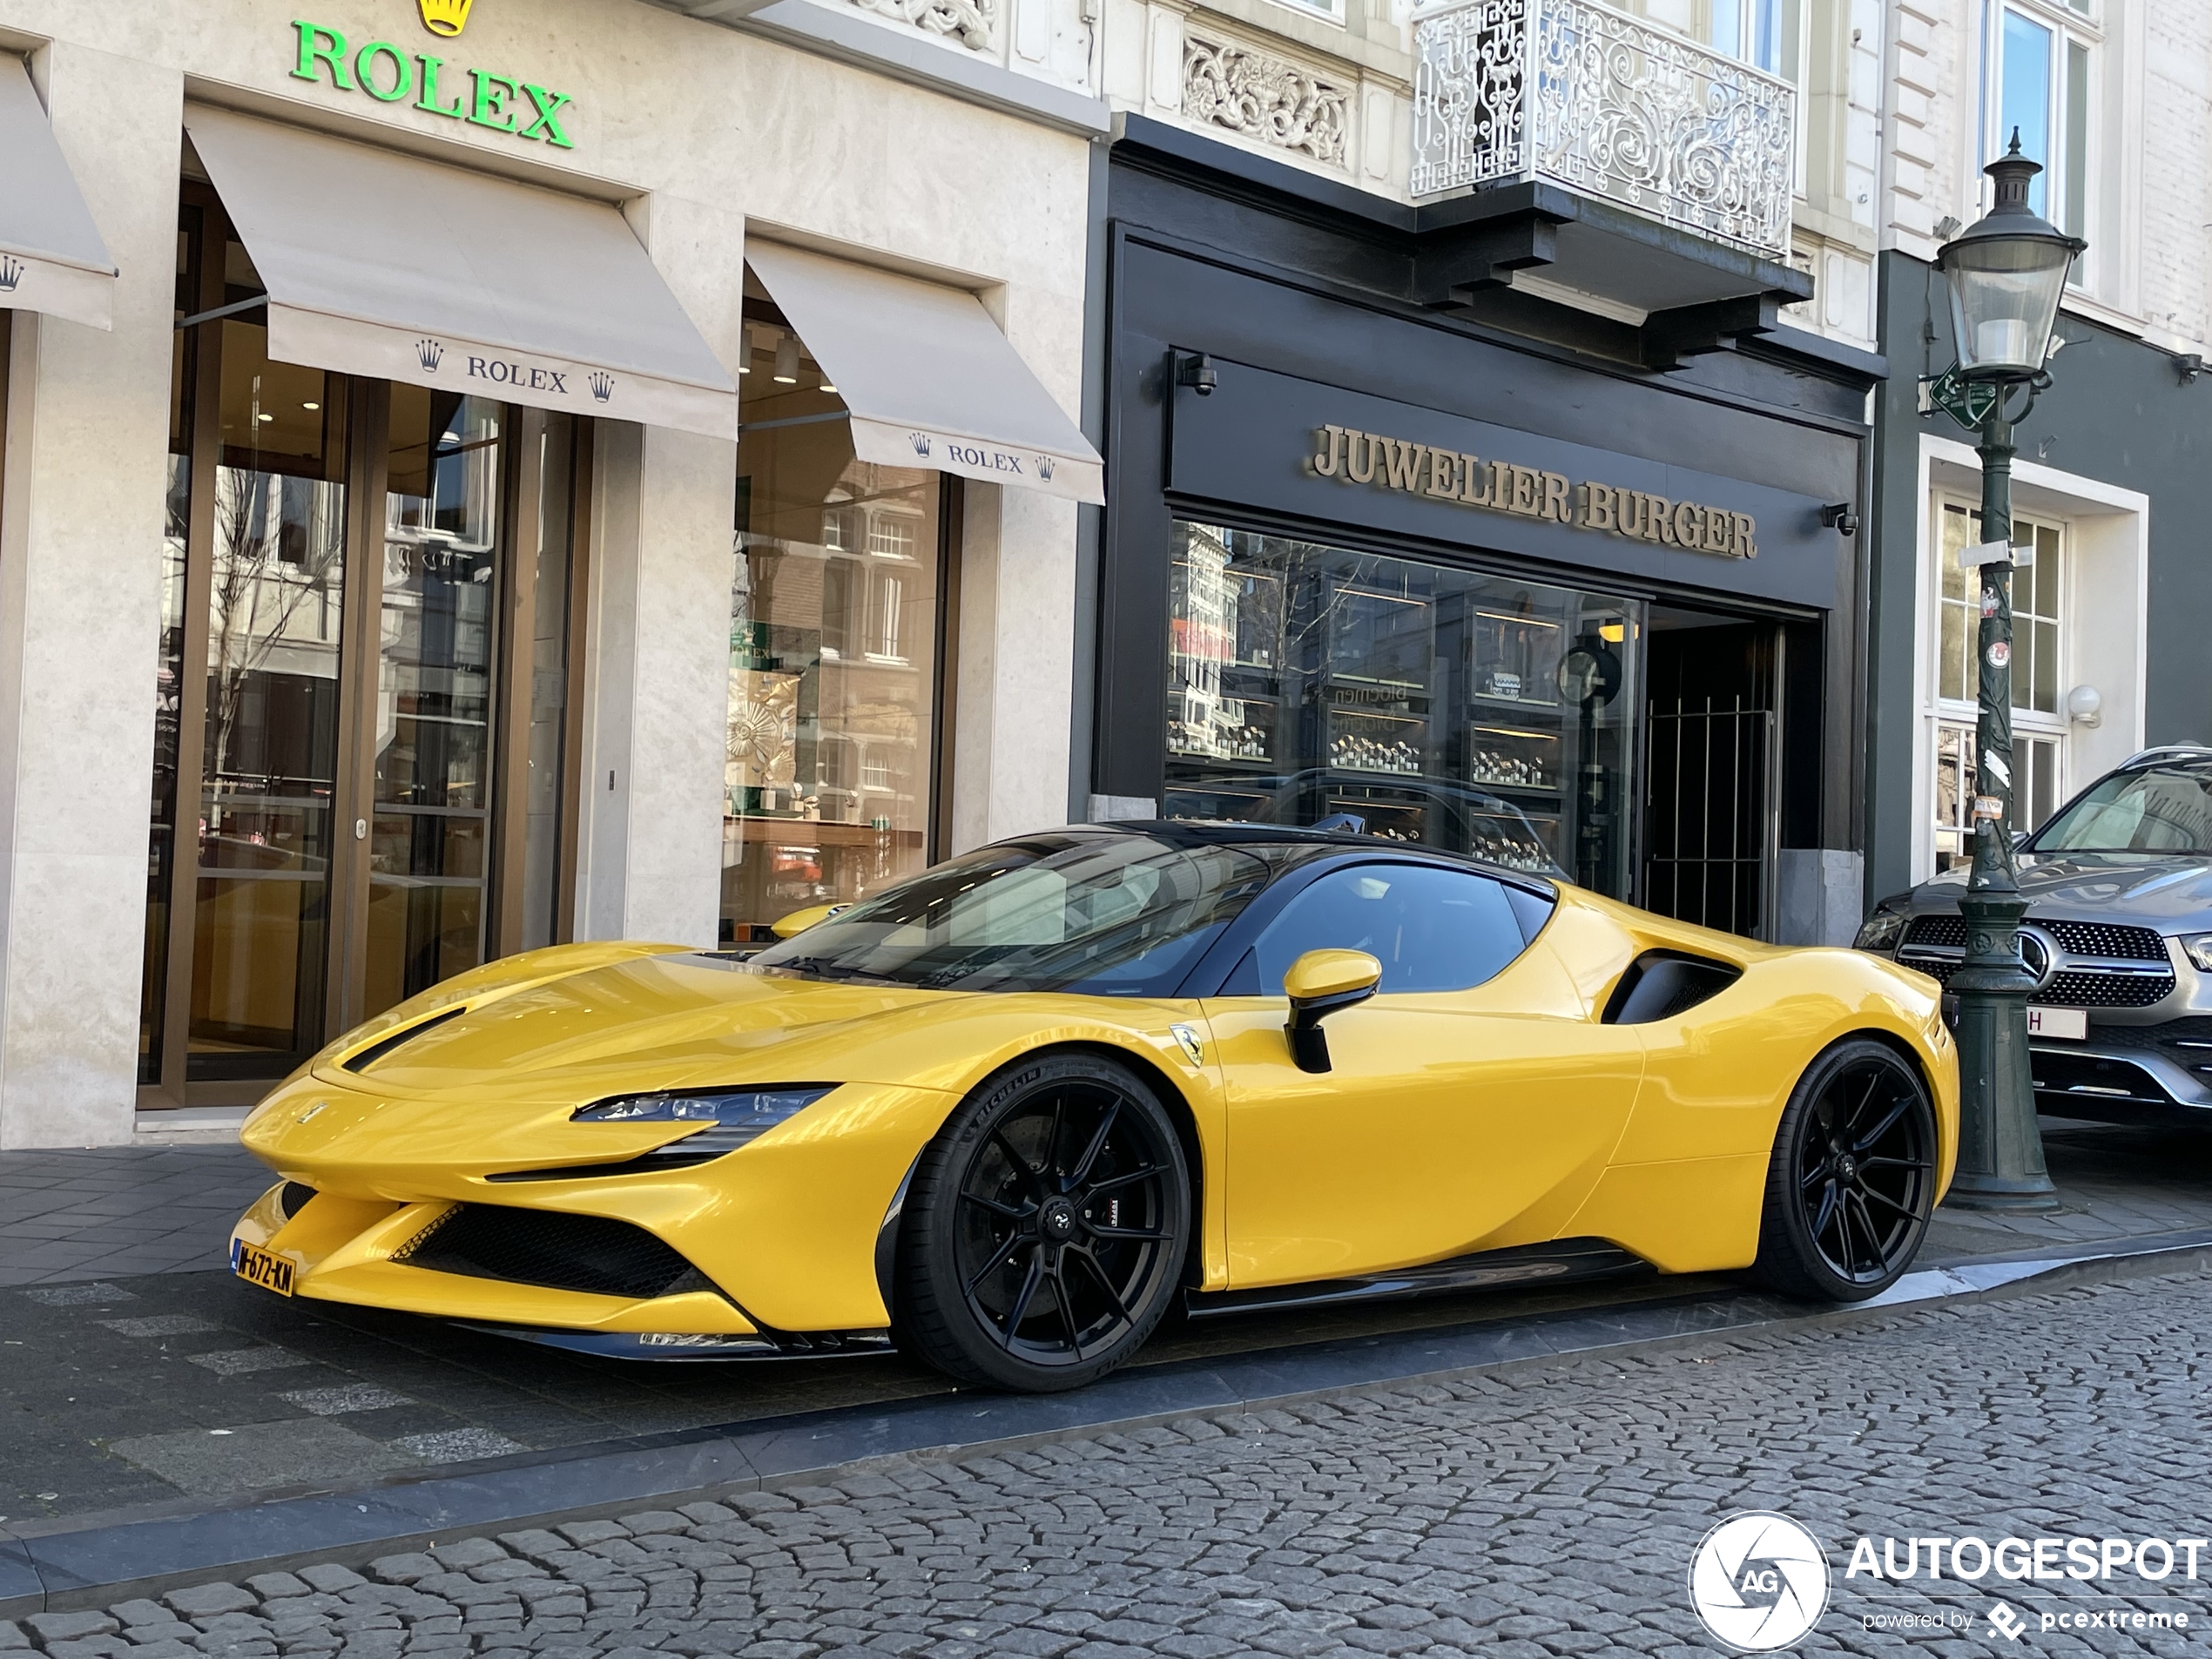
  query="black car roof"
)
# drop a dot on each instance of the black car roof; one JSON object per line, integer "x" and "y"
{"x": 1187, "y": 832}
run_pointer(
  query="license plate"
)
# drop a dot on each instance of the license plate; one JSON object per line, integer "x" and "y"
{"x": 262, "y": 1267}
{"x": 2067, "y": 1025}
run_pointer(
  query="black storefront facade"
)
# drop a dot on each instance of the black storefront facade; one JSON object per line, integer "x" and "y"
{"x": 1388, "y": 537}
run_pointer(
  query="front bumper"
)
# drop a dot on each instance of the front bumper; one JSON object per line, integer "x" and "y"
{"x": 2128, "y": 1074}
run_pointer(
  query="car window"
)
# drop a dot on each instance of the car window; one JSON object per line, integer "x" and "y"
{"x": 1432, "y": 929}
{"x": 2153, "y": 809}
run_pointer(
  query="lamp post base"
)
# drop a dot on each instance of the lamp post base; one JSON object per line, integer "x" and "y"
{"x": 2000, "y": 1148}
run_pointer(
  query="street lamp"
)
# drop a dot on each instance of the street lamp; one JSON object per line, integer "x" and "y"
{"x": 2006, "y": 274}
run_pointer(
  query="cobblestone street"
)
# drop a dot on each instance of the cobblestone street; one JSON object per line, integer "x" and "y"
{"x": 1550, "y": 1511}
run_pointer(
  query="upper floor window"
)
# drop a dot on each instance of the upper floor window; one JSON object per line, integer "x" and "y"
{"x": 2037, "y": 82}
{"x": 1759, "y": 32}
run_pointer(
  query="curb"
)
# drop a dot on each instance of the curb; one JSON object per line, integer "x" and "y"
{"x": 143, "y": 1552}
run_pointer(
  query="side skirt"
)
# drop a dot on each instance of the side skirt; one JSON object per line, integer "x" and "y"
{"x": 1559, "y": 1261}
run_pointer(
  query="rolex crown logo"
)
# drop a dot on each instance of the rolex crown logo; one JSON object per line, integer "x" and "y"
{"x": 1045, "y": 464}
{"x": 603, "y": 385}
{"x": 447, "y": 17}
{"x": 11, "y": 269}
{"x": 921, "y": 441}
{"x": 429, "y": 353}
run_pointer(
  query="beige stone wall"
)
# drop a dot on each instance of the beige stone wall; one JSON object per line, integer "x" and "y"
{"x": 698, "y": 132}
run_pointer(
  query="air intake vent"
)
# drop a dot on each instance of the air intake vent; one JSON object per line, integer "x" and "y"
{"x": 1661, "y": 984}
{"x": 376, "y": 1051}
{"x": 561, "y": 1252}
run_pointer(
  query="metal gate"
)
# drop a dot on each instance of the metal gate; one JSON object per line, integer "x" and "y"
{"x": 1713, "y": 816}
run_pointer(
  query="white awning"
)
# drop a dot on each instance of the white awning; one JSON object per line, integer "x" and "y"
{"x": 51, "y": 257}
{"x": 383, "y": 265}
{"x": 929, "y": 379}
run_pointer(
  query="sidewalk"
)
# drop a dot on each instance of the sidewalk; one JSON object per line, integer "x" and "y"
{"x": 136, "y": 1373}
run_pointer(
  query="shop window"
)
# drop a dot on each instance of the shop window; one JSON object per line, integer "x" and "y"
{"x": 2038, "y": 678}
{"x": 2036, "y": 82}
{"x": 1483, "y": 714}
{"x": 836, "y": 620}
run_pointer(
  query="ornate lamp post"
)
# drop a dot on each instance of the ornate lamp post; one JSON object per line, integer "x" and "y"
{"x": 2006, "y": 274}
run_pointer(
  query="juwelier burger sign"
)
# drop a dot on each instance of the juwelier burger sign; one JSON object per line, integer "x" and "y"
{"x": 427, "y": 81}
{"x": 1320, "y": 455}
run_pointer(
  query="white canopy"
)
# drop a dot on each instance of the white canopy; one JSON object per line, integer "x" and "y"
{"x": 51, "y": 257}
{"x": 928, "y": 377}
{"x": 383, "y": 265}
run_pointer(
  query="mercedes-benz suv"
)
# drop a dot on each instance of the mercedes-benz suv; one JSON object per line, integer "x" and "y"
{"x": 2118, "y": 936}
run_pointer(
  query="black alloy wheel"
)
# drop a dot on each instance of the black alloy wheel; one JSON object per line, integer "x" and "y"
{"x": 1853, "y": 1176}
{"x": 1046, "y": 1228}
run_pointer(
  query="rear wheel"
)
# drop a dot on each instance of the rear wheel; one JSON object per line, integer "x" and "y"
{"x": 1046, "y": 1228}
{"x": 1852, "y": 1178}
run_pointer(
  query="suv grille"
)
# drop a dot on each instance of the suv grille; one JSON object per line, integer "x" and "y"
{"x": 563, "y": 1252}
{"x": 1934, "y": 945}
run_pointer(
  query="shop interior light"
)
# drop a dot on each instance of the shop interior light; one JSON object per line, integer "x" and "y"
{"x": 826, "y": 386}
{"x": 787, "y": 360}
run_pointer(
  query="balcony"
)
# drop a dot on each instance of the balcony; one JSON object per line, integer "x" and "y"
{"x": 1590, "y": 159}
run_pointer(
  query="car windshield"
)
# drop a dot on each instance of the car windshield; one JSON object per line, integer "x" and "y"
{"x": 2153, "y": 809}
{"x": 1110, "y": 915}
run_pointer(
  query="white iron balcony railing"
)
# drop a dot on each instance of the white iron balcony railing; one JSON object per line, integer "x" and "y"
{"x": 1590, "y": 99}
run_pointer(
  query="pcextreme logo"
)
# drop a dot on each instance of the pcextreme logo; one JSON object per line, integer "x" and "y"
{"x": 447, "y": 17}
{"x": 1759, "y": 1581}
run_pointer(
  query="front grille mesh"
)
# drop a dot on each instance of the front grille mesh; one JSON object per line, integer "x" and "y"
{"x": 561, "y": 1252}
{"x": 2077, "y": 988}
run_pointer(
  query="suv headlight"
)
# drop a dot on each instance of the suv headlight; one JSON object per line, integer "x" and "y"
{"x": 2198, "y": 948}
{"x": 727, "y": 1119}
{"x": 1881, "y": 932}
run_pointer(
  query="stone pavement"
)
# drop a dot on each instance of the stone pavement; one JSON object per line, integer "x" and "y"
{"x": 1544, "y": 1514}
{"x": 113, "y": 1211}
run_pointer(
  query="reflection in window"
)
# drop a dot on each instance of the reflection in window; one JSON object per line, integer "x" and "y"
{"x": 1483, "y": 714}
{"x": 833, "y": 606}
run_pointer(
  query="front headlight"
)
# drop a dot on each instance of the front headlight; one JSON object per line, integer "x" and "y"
{"x": 727, "y": 1118}
{"x": 1881, "y": 932}
{"x": 2198, "y": 948}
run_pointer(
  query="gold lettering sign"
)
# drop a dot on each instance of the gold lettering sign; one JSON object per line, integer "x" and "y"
{"x": 1351, "y": 456}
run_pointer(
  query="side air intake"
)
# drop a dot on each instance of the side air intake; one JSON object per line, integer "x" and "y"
{"x": 1661, "y": 984}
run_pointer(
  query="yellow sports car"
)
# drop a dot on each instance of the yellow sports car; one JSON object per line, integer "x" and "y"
{"x": 1004, "y": 1114}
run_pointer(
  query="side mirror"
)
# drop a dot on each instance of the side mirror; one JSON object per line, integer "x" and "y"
{"x": 799, "y": 921}
{"x": 1320, "y": 983}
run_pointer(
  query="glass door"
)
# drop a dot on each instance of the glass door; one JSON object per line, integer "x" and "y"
{"x": 361, "y": 733}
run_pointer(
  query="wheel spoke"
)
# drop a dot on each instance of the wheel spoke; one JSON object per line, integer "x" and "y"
{"x": 1826, "y": 1214}
{"x": 1082, "y": 1172}
{"x": 1066, "y": 1308}
{"x": 1128, "y": 1235}
{"x": 1011, "y": 1212}
{"x": 1877, "y": 1262}
{"x": 1851, "y": 1245}
{"x": 1021, "y": 1309}
{"x": 1823, "y": 1170}
{"x": 1000, "y": 1257}
{"x": 1893, "y": 1164}
{"x": 1909, "y": 1213}
{"x": 1884, "y": 1127}
{"x": 1098, "y": 1276}
{"x": 1115, "y": 1183}
{"x": 1006, "y": 1147}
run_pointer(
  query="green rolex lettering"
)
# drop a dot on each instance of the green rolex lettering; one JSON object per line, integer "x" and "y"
{"x": 428, "y": 101}
{"x": 321, "y": 45}
{"x": 494, "y": 93}
{"x": 547, "y": 124}
{"x": 401, "y": 73}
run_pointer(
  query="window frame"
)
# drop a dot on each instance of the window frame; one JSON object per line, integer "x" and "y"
{"x": 1955, "y": 715}
{"x": 2064, "y": 172}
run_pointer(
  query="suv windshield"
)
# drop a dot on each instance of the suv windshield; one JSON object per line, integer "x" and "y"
{"x": 2153, "y": 809}
{"x": 1114, "y": 915}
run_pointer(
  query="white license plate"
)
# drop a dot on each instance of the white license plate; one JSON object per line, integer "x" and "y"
{"x": 2067, "y": 1025}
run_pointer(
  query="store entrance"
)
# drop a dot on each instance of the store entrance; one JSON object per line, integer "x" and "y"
{"x": 362, "y": 740}
{"x": 1712, "y": 809}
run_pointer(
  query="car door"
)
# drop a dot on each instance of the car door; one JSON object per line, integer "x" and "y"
{"x": 1471, "y": 1103}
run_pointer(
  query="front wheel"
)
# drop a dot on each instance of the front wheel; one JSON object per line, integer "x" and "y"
{"x": 1852, "y": 1179}
{"x": 1046, "y": 1228}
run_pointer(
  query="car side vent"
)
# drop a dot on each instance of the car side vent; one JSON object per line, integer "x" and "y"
{"x": 1662, "y": 983}
{"x": 376, "y": 1051}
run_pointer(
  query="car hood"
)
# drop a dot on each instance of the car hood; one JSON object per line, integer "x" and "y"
{"x": 2168, "y": 892}
{"x": 670, "y": 1021}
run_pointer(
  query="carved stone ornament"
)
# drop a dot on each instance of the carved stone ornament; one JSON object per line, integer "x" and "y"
{"x": 973, "y": 23}
{"x": 1264, "y": 97}
{"x": 1575, "y": 92}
